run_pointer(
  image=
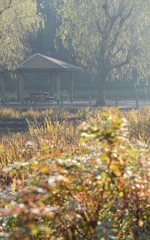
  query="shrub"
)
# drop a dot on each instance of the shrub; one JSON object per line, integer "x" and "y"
{"x": 101, "y": 193}
{"x": 139, "y": 123}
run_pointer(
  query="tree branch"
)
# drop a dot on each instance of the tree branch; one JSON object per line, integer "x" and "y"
{"x": 125, "y": 62}
{"x": 121, "y": 24}
{"x": 117, "y": 51}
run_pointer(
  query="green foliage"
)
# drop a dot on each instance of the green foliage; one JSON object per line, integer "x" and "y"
{"x": 98, "y": 33}
{"x": 63, "y": 188}
{"x": 108, "y": 38}
{"x": 17, "y": 20}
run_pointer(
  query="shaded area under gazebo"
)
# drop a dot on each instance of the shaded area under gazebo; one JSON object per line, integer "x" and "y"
{"x": 39, "y": 63}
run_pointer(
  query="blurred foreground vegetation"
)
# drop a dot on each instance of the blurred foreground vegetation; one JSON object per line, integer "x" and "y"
{"x": 77, "y": 180}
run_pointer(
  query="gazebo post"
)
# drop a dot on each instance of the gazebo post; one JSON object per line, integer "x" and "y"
{"x": 21, "y": 88}
{"x": 18, "y": 90}
{"x": 2, "y": 88}
{"x": 71, "y": 87}
{"x": 58, "y": 87}
{"x": 22, "y": 85}
{"x": 51, "y": 84}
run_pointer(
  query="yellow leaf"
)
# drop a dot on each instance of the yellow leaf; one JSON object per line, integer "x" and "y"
{"x": 113, "y": 167}
{"x": 14, "y": 185}
{"x": 121, "y": 194}
{"x": 43, "y": 169}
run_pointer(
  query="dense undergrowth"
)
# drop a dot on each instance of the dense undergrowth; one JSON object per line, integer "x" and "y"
{"x": 73, "y": 180}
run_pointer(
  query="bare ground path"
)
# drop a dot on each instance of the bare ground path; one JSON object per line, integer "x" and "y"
{"x": 77, "y": 104}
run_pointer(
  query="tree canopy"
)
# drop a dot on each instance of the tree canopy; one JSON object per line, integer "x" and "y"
{"x": 109, "y": 37}
{"x": 18, "y": 18}
{"x": 46, "y": 40}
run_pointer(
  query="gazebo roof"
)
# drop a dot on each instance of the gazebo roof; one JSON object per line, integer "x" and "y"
{"x": 39, "y": 62}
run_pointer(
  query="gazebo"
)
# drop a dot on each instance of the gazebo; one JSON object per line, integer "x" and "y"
{"x": 39, "y": 63}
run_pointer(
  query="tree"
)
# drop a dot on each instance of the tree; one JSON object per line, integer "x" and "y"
{"x": 18, "y": 18}
{"x": 46, "y": 41}
{"x": 43, "y": 42}
{"x": 109, "y": 37}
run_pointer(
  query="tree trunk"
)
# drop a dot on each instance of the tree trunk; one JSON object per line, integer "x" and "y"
{"x": 100, "y": 99}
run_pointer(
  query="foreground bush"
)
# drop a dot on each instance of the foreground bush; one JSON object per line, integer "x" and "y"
{"x": 101, "y": 193}
{"x": 139, "y": 123}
